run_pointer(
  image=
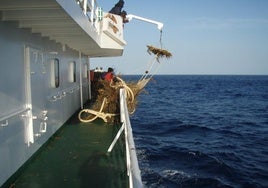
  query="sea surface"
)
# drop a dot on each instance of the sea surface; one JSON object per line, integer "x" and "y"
{"x": 203, "y": 131}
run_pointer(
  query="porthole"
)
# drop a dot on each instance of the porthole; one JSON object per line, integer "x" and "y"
{"x": 72, "y": 71}
{"x": 85, "y": 75}
{"x": 55, "y": 73}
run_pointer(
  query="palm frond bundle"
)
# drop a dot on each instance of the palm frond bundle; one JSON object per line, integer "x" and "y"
{"x": 158, "y": 52}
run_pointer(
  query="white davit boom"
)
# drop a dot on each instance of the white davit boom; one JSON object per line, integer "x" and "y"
{"x": 159, "y": 24}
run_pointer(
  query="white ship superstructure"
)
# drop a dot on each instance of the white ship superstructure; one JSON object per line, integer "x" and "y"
{"x": 45, "y": 51}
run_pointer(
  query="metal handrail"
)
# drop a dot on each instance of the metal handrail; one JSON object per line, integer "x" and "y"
{"x": 18, "y": 112}
{"x": 132, "y": 161}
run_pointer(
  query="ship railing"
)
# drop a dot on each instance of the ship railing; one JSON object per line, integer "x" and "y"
{"x": 110, "y": 24}
{"x": 131, "y": 155}
{"x": 132, "y": 164}
{"x": 91, "y": 9}
{"x": 4, "y": 119}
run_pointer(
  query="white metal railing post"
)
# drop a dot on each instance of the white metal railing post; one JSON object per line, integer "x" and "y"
{"x": 127, "y": 152}
{"x": 85, "y": 7}
{"x": 89, "y": 78}
{"x": 81, "y": 81}
{"x": 28, "y": 121}
{"x": 92, "y": 11}
{"x": 116, "y": 138}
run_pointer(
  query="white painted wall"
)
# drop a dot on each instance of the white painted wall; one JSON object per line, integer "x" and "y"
{"x": 14, "y": 151}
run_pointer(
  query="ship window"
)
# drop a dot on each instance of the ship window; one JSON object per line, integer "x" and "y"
{"x": 85, "y": 71}
{"x": 55, "y": 73}
{"x": 72, "y": 71}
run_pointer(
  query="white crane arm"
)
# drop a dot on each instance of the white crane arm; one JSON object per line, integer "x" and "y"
{"x": 159, "y": 24}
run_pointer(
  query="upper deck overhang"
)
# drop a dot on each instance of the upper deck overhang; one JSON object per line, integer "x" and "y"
{"x": 65, "y": 22}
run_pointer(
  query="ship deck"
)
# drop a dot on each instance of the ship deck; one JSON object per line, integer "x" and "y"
{"x": 76, "y": 156}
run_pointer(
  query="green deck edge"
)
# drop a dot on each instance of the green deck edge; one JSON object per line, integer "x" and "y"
{"x": 76, "y": 156}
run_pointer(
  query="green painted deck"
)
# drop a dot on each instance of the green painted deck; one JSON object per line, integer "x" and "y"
{"x": 77, "y": 156}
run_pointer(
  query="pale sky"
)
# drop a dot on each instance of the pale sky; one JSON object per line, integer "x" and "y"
{"x": 204, "y": 36}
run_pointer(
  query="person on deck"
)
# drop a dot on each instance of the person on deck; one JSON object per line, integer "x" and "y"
{"x": 109, "y": 76}
{"x": 124, "y": 16}
{"x": 117, "y": 9}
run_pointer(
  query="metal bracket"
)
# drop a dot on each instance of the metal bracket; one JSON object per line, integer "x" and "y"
{"x": 4, "y": 124}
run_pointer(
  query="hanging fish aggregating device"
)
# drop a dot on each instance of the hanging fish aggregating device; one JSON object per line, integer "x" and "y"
{"x": 106, "y": 104}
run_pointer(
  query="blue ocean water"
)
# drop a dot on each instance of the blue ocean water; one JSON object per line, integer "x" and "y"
{"x": 203, "y": 131}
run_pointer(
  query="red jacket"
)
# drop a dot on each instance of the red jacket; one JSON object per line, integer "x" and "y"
{"x": 109, "y": 76}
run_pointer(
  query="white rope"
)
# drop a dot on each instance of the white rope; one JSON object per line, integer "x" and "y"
{"x": 150, "y": 65}
{"x": 129, "y": 91}
{"x": 97, "y": 114}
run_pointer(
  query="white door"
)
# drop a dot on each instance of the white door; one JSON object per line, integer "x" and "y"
{"x": 35, "y": 91}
